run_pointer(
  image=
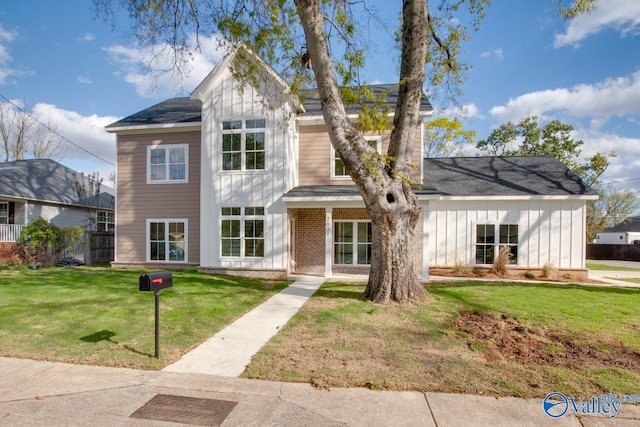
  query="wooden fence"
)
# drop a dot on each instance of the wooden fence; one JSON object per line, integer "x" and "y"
{"x": 94, "y": 248}
{"x": 615, "y": 252}
{"x": 101, "y": 246}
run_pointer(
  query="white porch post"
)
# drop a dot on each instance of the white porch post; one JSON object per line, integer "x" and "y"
{"x": 328, "y": 242}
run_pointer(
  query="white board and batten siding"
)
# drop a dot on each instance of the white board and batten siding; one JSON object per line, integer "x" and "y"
{"x": 222, "y": 101}
{"x": 549, "y": 230}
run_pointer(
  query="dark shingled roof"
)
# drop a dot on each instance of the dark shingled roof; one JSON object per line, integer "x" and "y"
{"x": 481, "y": 176}
{"x": 171, "y": 111}
{"x": 311, "y": 100}
{"x": 503, "y": 176}
{"x": 631, "y": 224}
{"x": 186, "y": 110}
{"x": 47, "y": 180}
{"x": 338, "y": 191}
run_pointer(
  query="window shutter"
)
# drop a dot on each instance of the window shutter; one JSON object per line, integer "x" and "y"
{"x": 12, "y": 212}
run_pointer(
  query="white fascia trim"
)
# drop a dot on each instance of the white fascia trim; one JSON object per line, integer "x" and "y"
{"x": 352, "y": 201}
{"x": 511, "y": 198}
{"x": 168, "y": 127}
{"x": 422, "y": 197}
{"x": 324, "y": 202}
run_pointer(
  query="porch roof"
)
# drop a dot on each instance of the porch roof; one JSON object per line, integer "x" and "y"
{"x": 339, "y": 193}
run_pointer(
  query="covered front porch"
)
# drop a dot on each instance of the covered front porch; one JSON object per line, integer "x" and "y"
{"x": 330, "y": 233}
{"x": 10, "y": 232}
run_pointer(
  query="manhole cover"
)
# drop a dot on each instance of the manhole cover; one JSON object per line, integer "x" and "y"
{"x": 186, "y": 410}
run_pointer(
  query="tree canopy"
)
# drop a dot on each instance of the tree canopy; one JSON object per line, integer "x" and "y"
{"x": 529, "y": 138}
{"x": 444, "y": 137}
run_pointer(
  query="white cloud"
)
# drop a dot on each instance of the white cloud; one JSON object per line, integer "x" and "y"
{"x": 497, "y": 53}
{"x": 612, "y": 97}
{"x": 466, "y": 111}
{"x": 146, "y": 68}
{"x": 6, "y": 71}
{"x": 621, "y": 15}
{"x": 87, "y": 132}
{"x": 624, "y": 166}
{"x": 84, "y": 80}
{"x": 88, "y": 37}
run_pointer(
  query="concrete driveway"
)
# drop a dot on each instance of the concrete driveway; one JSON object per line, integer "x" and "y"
{"x": 613, "y": 276}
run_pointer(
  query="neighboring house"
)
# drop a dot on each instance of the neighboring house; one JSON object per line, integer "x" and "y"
{"x": 625, "y": 233}
{"x": 42, "y": 188}
{"x": 245, "y": 181}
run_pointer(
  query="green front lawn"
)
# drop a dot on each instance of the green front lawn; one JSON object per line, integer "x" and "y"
{"x": 97, "y": 315}
{"x": 604, "y": 267}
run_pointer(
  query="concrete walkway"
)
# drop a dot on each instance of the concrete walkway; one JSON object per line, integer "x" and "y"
{"x": 229, "y": 351}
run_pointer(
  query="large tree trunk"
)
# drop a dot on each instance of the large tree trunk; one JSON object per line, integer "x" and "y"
{"x": 393, "y": 277}
{"x": 388, "y": 198}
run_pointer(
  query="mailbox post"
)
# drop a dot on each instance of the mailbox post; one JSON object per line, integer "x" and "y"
{"x": 156, "y": 282}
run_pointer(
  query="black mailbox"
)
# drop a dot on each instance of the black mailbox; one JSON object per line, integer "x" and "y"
{"x": 156, "y": 281}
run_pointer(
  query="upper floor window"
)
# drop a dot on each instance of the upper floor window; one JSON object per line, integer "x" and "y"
{"x": 338, "y": 170}
{"x": 104, "y": 221}
{"x": 167, "y": 163}
{"x": 243, "y": 145}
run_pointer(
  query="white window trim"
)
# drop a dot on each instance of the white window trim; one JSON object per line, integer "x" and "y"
{"x": 166, "y": 147}
{"x": 243, "y": 153}
{"x": 109, "y": 225}
{"x": 354, "y": 244}
{"x": 496, "y": 244}
{"x": 376, "y": 138}
{"x": 186, "y": 239}
{"x": 242, "y": 217}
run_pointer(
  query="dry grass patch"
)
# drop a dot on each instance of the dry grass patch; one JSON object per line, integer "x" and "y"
{"x": 338, "y": 340}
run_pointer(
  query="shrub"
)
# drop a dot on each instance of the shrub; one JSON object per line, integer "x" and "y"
{"x": 460, "y": 268}
{"x": 529, "y": 275}
{"x": 502, "y": 261}
{"x": 548, "y": 270}
{"x": 41, "y": 242}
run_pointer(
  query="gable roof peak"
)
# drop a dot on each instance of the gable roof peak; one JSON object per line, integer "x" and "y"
{"x": 241, "y": 56}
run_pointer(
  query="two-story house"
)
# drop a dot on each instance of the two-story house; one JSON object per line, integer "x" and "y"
{"x": 242, "y": 179}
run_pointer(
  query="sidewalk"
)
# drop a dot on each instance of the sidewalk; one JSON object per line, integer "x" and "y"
{"x": 34, "y": 393}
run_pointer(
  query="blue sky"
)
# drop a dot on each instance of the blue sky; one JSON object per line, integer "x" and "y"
{"x": 77, "y": 72}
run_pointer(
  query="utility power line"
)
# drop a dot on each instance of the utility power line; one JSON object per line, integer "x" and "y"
{"x": 56, "y": 133}
{"x": 624, "y": 180}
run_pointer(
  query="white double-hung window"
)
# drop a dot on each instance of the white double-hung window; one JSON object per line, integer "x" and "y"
{"x": 243, "y": 145}
{"x": 338, "y": 170}
{"x": 167, "y": 240}
{"x": 491, "y": 237}
{"x": 352, "y": 242}
{"x": 242, "y": 232}
{"x": 167, "y": 164}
